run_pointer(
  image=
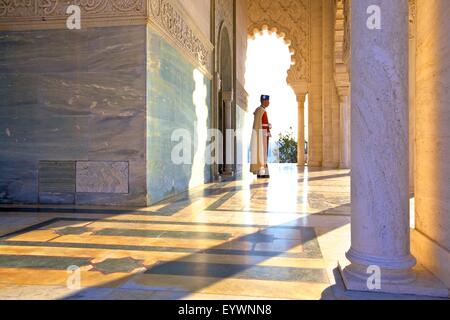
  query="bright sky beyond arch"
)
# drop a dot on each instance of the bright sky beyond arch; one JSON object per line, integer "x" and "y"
{"x": 268, "y": 60}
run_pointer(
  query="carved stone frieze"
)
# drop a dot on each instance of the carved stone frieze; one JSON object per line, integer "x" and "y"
{"x": 223, "y": 18}
{"x": 341, "y": 49}
{"x": 42, "y": 9}
{"x": 175, "y": 25}
{"x": 224, "y": 14}
{"x": 347, "y": 31}
{"x": 290, "y": 19}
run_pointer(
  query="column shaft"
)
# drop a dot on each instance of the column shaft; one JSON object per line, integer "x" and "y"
{"x": 228, "y": 134}
{"x": 380, "y": 161}
{"x": 301, "y": 130}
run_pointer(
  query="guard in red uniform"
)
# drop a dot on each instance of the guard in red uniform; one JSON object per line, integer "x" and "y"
{"x": 260, "y": 140}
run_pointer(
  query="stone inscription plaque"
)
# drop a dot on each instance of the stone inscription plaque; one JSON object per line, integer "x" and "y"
{"x": 102, "y": 177}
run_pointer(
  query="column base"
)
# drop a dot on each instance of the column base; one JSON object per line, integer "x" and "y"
{"x": 419, "y": 283}
{"x": 394, "y": 270}
{"x": 228, "y": 174}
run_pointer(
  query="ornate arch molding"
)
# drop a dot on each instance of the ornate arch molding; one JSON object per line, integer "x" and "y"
{"x": 412, "y": 18}
{"x": 223, "y": 19}
{"x": 291, "y": 20}
{"x": 342, "y": 47}
{"x": 224, "y": 38}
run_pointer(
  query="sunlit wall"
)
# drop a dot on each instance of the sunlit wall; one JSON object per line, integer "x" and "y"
{"x": 178, "y": 98}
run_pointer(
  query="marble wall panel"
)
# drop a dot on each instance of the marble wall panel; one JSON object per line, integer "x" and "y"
{"x": 18, "y": 186}
{"x": 37, "y": 52}
{"x": 178, "y": 98}
{"x": 72, "y": 95}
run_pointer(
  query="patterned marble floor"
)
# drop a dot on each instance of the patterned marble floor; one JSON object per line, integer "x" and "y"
{"x": 250, "y": 239}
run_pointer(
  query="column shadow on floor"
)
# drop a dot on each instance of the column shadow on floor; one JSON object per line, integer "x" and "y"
{"x": 201, "y": 270}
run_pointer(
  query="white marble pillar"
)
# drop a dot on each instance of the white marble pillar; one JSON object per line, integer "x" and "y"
{"x": 228, "y": 135}
{"x": 380, "y": 160}
{"x": 336, "y": 126}
{"x": 345, "y": 140}
{"x": 341, "y": 134}
{"x": 301, "y": 129}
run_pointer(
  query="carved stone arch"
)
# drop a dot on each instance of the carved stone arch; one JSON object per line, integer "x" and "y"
{"x": 226, "y": 113}
{"x": 291, "y": 20}
{"x": 341, "y": 68}
{"x": 280, "y": 34}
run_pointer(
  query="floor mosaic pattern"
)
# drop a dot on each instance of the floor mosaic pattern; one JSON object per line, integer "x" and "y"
{"x": 230, "y": 240}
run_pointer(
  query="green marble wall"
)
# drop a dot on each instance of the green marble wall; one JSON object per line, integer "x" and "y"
{"x": 103, "y": 94}
{"x": 72, "y": 95}
{"x": 178, "y": 97}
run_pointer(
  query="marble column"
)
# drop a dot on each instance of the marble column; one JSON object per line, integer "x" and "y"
{"x": 228, "y": 135}
{"x": 336, "y": 125}
{"x": 342, "y": 134}
{"x": 328, "y": 83}
{"x": 301, "y": 129}
{"x": 380, "y": 160}
{"x": 345, "y": 139}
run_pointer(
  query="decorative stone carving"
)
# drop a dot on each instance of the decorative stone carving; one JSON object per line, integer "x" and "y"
{"x": 341, "y": 50}
{"x": 290, "y": 19}
{"x": 347, "y": 31}
{"x": 43, "y": 9}
{"x": 223, "y": 18}
{"x": 175, "y": 25}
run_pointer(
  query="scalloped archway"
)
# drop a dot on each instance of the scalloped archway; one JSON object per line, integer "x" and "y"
{"x": 279, "y": 34}
{"x": 292, "y": 21}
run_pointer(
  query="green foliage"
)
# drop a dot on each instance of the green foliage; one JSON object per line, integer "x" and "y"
{"x": 286, "y": 150}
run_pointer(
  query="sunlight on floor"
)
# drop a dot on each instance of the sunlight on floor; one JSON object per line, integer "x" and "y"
{"x": 230, "y": 240}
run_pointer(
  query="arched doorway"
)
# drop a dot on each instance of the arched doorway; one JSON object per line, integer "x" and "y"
{"x": 269, "y": 60}
{"x": 225, "y": 109}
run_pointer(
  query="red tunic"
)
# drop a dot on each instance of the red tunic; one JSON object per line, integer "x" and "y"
{"x": 266, "y": 126}
{"x": 265, "y": 122}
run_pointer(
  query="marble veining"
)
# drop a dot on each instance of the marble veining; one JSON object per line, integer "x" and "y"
{"x": 63, "y": 101}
